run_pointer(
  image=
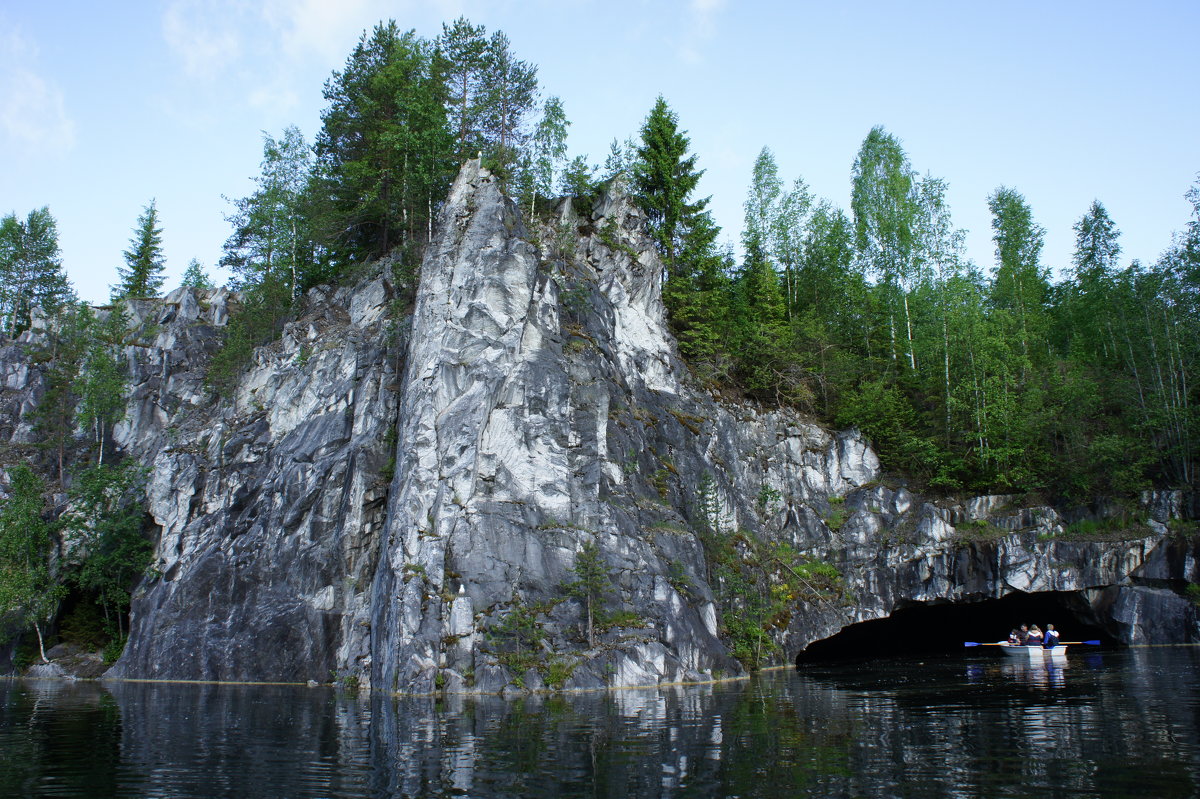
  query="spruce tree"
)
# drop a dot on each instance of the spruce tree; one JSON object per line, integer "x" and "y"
{"x": 195, "y": 277}
{"x": 142, "y": 275}
{"x": 664, "y": 177}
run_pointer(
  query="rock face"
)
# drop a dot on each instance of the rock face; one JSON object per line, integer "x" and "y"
{"x": 386, "y": 496}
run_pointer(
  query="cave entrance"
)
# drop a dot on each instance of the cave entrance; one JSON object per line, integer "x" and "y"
{"x": 943, "y": 627}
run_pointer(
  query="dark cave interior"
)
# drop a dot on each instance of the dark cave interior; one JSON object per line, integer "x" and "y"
{"x": 944, "y": 627}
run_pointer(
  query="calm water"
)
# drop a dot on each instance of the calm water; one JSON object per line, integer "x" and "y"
{"x": 1109, "y": 724}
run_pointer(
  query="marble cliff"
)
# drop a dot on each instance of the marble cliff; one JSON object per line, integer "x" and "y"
{"x": 387, "y": 485}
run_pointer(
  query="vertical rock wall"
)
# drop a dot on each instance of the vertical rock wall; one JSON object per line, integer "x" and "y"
{"x": 384, "y": 494}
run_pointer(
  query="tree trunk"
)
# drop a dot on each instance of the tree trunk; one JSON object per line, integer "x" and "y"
{"x": 37, "y": 626}
{"x": 912, "y": 357}
{"x": 591, "y": 635}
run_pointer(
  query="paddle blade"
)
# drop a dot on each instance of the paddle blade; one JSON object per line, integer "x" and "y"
{"x": 970, "y": 643}
{"x": 1092, "y": 643}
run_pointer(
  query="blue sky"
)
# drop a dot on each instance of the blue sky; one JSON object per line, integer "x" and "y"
{"x": 104, "y": 106}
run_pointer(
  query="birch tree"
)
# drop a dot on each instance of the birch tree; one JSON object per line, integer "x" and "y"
{"x": 884, "y": 212}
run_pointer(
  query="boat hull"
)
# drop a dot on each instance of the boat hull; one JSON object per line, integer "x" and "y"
{"x": 1035, "y": 654}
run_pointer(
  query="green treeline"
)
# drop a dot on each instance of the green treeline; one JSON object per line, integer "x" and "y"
{"x": 969, "y": 381}
{"x": 966, "y": 377}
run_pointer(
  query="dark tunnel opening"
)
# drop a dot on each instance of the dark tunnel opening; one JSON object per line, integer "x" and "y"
{"x": 945, "y": 627}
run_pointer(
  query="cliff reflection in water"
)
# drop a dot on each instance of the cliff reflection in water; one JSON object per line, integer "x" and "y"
{"x": 1120, "y": 724}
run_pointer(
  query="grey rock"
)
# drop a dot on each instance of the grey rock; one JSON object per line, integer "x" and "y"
{"x": 378, "y": 494}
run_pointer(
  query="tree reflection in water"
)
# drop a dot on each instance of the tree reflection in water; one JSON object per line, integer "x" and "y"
{"x": 1116, "y": 724}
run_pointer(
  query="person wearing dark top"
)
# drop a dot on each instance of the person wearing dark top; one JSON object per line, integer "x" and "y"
{"x": 1050, "y": 639}
{"x": 1035, "y": 636}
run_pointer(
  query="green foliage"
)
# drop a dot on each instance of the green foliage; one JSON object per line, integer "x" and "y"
{"x": 29, "y": 591}
{"x": 104, "y": 524}
{"x": 84, "y": 625}
{"x": 558, "y": 670}
{"x": 578, "y": 180}
{"x": 517, "y": 639}
{"x": 384, "y": 153}
{"x": 142, "y": 275}
{"x": 66, "y": 346}
{"x": 619, "y": 618}
{"x": 549, "y": 150}
{"x": 460, "y": 57}
{"x": 590, "y": 586}
{"x": 1121, "y": 527}
{"x": 880, "y": 409}
{"x": 102, "y": 377}
{"x": 272, "y": 239}
{"x": 195, "y": 277}
{"x": 664, "y": 177}
{"x": 679, "y": 579}
{"x": 259, "y": 319}
{"x": 509, "y": 92}
{"x": 979, "y": 530}
{"x": 757, "y": 584}
{"x": 114, "y": 648}
{"x": 31, "y": 271}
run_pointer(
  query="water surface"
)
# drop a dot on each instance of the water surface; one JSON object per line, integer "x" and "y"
{"x": 1109, "y": 724}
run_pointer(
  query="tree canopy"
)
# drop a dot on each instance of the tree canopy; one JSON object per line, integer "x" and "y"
{"x": 142, "y": 276}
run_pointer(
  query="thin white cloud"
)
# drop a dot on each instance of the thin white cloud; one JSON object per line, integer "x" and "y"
{"x": 329, "y": 29}
{"x": 204, "y": 34}
{"x": 316, "y": 26}
{"x": 33, "y": 112}
{"x": 700, "y": 28}
{"x": 271, "y": 39}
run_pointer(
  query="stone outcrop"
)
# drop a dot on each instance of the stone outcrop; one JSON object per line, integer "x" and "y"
{"x": 386, "y": 491}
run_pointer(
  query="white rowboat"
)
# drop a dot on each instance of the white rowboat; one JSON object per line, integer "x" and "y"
{"x": 1035, "y": 654}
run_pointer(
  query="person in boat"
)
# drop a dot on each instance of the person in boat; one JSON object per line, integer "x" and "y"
{"x": 1035, "y": 636}
{"x": 1014, "y": 638}
{"x": 1050, "y": 639}
{"x": 1023, "y": 635}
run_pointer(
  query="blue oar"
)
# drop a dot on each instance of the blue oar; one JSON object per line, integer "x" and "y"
{"x": 1060, "y": 643}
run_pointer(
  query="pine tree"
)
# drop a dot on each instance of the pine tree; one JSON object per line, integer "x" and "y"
{"x": 461, "y": 55}
{"x": 142, "y": 275}
{"x": 385, "y": 151}
{"x": 509, "y": 94}
{"x": 30, "y": 269}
